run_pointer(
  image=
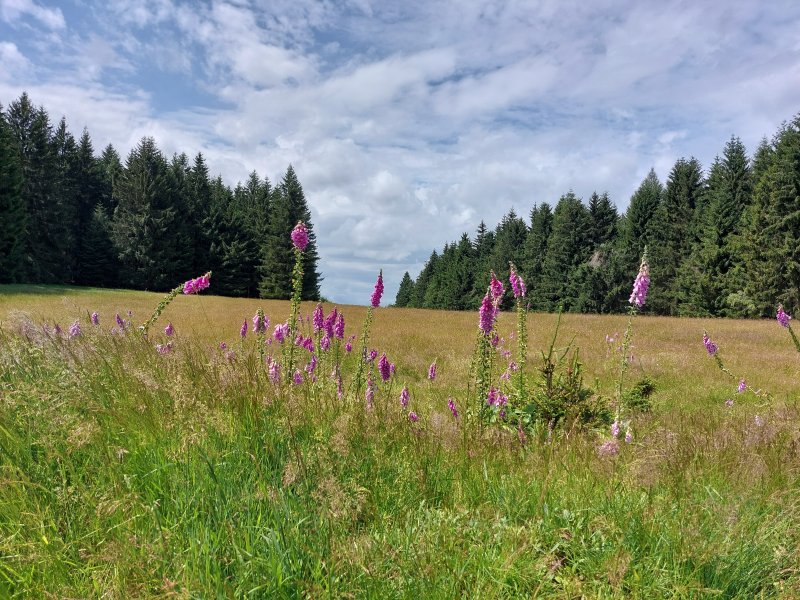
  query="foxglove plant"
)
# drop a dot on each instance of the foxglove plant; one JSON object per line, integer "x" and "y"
{"x": 784, "y": 320}
{"x": 712, "y": 349}
{"x": 519, "y": 289}
{"x": 192, "y": 286}
{"x": 375, "y": 301}
{"x": 299, "y": 237}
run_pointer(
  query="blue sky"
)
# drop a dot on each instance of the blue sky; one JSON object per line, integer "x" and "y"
{"x": 410, "y": 122}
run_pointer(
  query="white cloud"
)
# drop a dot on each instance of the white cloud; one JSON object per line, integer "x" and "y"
{"x": 12, "y": 10}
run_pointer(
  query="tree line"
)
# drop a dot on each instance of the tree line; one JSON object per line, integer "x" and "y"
{"x": 70, "y": 217}
{"x": 725, "y": 242}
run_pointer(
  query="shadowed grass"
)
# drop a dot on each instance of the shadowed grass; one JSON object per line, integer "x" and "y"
{"x": 129, "y": 474}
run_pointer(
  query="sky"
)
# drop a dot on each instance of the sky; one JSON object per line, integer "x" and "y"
{"x": 410, "y": 122}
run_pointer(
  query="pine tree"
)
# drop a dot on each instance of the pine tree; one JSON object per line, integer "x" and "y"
{"x": 483, "y": 245}
{"x": 603, "y": 218}
{"x": 99, "y": 263}
{"x": 288, "y": 206}
{"x": 405, "y": 292}
{"x": 671, "y": 233}
{"x": 13, "y": 217}
{"x": 145, "y": 220}
{"x": 534, "y": 251}
{"x": 423, "y": 281}
{"x": 89, "y": 197}
{"x": 568, "y": 247}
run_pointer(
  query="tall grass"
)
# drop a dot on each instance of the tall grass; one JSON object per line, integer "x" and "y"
{"x": 126, "y": 473}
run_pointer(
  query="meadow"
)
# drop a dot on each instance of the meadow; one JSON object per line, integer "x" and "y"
{"x": 126, "y": 472}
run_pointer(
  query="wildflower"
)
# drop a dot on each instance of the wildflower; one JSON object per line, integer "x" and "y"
{"x": 330, "y": 322}
{"x": 404, "y": 397}
{"x": 164, "y": 348}
{"x": 197, "y": 285}
{"x": 56, "y": 329}
{"x": 319, "y": 318}
{"x": 432, "y": 371}
{"x": 373, "y": 354}
{"x": 413, "y": 417}
{"x": 280, "y": 332}
{"x": 452, "y": 406}
{"x": 495, "y": 340}
{"x": 275, "y": 372}
{"x": 491, "y": 398}
{"x": 496, "y": 286}
{"x": 486, "y": 314}
{"x": 95, "y": 318}
{"x": 338, "y": 328}
{"x": 392, "y": 368}
{"x": 120, "y": 322}
{"x": 378, "y": 291}
{"x": 640, "y": 285}
{"x": 384, "y": 368}
{"x": 711, "y": 347}
{"x": 312, "y": 364}
{"x": 370, "y": 393}
{"x": 325, "y": 343}
{"x": 782, "y": 317}
{"x": 300, "y": 236}
{"x": 297, "y": 379}
{"x": 517, "y": 283}
{"x": 742, "y": 386}
{"x": 74, "y": 330}
{"x": 615, "y": 429}
{"x": 348, "y": 346}
{"x": 169, "y": 330}
{"x": 608, "y": 448}
{"x": 628, "y": 436}
{"x": 243, "y": 329}
{"x": 729, "y": 402}
{"x": 223, "y": 346}
{"x": 260, "y": 324}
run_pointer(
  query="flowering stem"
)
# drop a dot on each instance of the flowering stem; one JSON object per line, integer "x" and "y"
{"x": 623, "y": 367}
{"x": 358, "y": 382}
{"x": 522, "y": 350}
{"x": 297, "y": 288}
{"x": 160, "y": 308}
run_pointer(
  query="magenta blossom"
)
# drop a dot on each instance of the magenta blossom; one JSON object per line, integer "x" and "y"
{"x": 486, "y": 314}
{"x": 75, "y": 330}
{"x": 711, "y": 347}
{"x": 243, "y": 329}
{"x": 608, "y": 449}
{"x": 281, "y": 331}
{"x": 330, "y": 322}
{"x": 782, "y": 317}
{"x": 319, "y": 318}
{"x": 223, "y": 346}
{"x": 628, "y": 435}
{"x": 378, "y": 291}
{"x": 641, "y": 284}
{"x": 275, "y": 372}
{"x": 169, "y": 330}
{"x": 413, "y": 417}
{"x": 452, "y": 406}
{"x": 742, "y": 386}
{"x": 260, "y": 323}
{"x": 164, "y": 348}
{"x": 370, "y": 393}
{"x": 496, "y": 286}
{"x": 95, "y": 318}
{"x": 432, "y": 371}
{"x": 517, "y": 283}
{"x": 384, "y": 368}
{"x": 297, "y": 379}
{"x": 325, "y": 343}
{"x": 120, "y": 322}
{"x": 615, "y": 429}
{"x": 300, "y": 236}
{"x": 197, "y": 285}
{"x": 338, "y": 328}
{"x": 404, "y": 397}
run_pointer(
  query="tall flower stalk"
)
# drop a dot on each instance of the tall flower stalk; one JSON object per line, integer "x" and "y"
{"x": 192, "y": 286}
{"x": 375, "y": 302}
{"x": 637, "y": 299}
{"x": 299, "y": 237}
{"x": 520, "y": 290}
{"x": 713, "y": 351}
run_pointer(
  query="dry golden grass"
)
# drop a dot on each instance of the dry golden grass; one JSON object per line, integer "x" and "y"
{"x": 669, "y": 350}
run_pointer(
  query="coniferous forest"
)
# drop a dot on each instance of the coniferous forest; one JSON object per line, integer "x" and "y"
{"x": 722, "y": 242}
{"x": 68, "y": 216}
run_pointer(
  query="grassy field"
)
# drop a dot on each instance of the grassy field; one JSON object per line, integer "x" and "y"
{"x": 125, "y": 473}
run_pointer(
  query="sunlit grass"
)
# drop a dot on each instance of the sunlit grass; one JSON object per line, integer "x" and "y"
{"x": 130, "y": 474}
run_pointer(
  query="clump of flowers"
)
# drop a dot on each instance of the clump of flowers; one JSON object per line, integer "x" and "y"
{"x": 375, "y": 299}
{"x": 641, "y": 284}
{"x": 384, "y": 368}
{"x": 197, "y": 285}
{"x": 299, "y": 236}
{"x": 75, "y": 330}
{"x": 713, "y": 350}
{"x": 711, "y": 347}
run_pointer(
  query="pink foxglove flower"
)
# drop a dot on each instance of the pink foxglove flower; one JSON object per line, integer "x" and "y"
{"x": 742, "y": 386}
{"x": 338, "y": 328}
{"x": 640, "y": 285}
{"x": 432, "y": 371}
{"x": 169, "y": 330}
{"x": 496, "y": 286}
{"x": 404, "y": 397}
{"x": 782, "y": 317}
{"x": 300, "y": 236}
{"x": 319, "y": 318}
{"x": 197, "y": 285}
{"x": 243, "y": 329}
{"x": 486, "y": 314}
{"x": 75, "y": 330}
{"x": 95, "y": 318}
{"x": 384, "y": 368}
{"x": 711, "y": 347}
{"x": 452, "y": 406}
{"x": 517, "y": 283}
{"x": 375, "y": 300}
{"x": 413, "y": 417}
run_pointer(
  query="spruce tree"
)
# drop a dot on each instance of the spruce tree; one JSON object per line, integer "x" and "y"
{"x": 13, "y": 217}
{"x": 534, "y": 250}
{"x": 89, "y": 197}
{"x": 405, "y": 292}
